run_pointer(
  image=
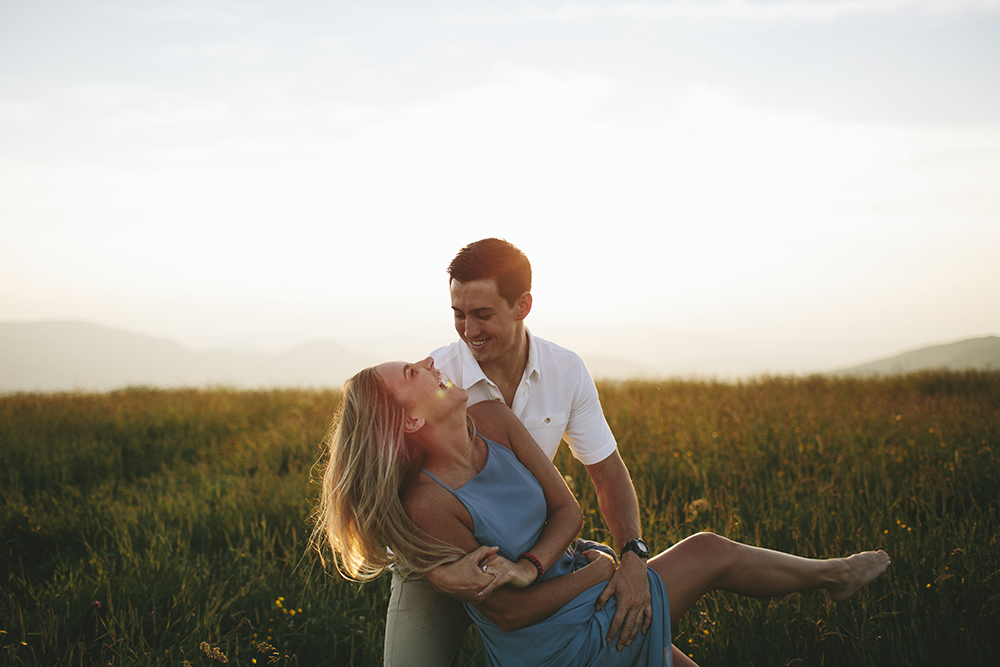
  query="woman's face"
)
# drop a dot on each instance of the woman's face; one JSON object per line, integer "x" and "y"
{"x": 422, "y": 390}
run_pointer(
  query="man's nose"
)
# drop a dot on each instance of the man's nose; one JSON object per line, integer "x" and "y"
{"x": 471, "y": 330}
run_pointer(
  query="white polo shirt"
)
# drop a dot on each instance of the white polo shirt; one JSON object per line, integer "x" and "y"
{"x": 555, "y": 399}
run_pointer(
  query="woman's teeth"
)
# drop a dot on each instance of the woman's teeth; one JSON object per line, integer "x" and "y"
{"x": 444, "y": 381}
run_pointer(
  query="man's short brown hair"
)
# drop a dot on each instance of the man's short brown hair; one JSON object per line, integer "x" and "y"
{"x": 493, "y": 259}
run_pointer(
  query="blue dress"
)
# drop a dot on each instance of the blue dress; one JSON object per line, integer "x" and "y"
{"x": 508, "y": 510}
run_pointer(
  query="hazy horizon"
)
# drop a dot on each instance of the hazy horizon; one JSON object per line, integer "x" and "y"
{"x": 46, "y": 353}
{"x": 810, "y": 182}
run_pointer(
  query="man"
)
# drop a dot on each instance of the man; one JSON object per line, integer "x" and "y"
{"x": 550, "y": 390}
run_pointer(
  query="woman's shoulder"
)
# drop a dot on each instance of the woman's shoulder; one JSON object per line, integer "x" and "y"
{"x": 434, "y": 509}
{"x": 495, "y": 408}
{"x": 493, "y": 419}
{"x": 424, "y": 497}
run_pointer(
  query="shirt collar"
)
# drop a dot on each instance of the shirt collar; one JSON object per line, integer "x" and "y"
{"x": 472, "y": 372}
{"x": 532, "y": 368}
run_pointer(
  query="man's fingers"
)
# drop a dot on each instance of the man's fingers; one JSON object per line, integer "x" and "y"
{"x": 603, "y": 598}
{"x": 616, "y": 624}
{"x": 633, "y": 621}
{"x": 630, "y": 628}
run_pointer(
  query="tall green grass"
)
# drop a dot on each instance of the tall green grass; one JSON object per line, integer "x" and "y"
{"x": 147, "y": 527}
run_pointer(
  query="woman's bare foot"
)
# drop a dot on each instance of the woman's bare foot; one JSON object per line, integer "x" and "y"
{"x": 862, "y": 569}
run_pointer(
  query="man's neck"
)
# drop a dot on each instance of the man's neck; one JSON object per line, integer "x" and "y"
{"x": 507, "y": 371}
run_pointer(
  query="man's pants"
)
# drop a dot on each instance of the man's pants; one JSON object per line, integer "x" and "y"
{"x": 422, "y": 627}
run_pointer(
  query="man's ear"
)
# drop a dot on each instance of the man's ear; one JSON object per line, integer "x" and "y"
{"x": 523, "y": 305}
{"x": 413, "y": 424}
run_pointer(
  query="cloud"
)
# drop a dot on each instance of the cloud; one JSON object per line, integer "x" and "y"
{"x": 125, "y": 107}
{"x": 746, "y": 10}
{"x": 238, "y": 52}
{"x": 218, "y": 12}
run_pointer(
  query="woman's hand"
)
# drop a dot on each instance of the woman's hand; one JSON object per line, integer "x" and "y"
{"x": 466, "y": 578}
{"x": 602, "y": 561}
{"x": 519, "y": 575}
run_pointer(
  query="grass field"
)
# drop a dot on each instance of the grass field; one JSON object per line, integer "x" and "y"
{"x": 147, "y": 527}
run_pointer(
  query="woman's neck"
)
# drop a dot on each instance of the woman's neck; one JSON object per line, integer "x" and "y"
{"x": 449, "y": 446}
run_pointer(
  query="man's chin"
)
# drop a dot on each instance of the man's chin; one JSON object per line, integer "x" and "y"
{"x": 478, "y": 353}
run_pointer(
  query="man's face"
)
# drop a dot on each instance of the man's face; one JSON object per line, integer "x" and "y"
{"x": 485, "y": 321}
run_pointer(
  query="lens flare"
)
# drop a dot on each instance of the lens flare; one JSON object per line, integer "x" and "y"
{"x": 445, "y": 382}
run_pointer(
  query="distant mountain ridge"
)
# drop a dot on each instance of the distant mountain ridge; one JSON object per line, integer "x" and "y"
{"x": 64, "y": 356}
{"x": 67, "y": 356}
{"x": 982, "y": 354}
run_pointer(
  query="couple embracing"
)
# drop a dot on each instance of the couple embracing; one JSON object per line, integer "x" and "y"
{"x": 441, "y": 470}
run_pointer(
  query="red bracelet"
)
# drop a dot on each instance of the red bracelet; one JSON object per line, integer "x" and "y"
{"x": 537, "y": 563}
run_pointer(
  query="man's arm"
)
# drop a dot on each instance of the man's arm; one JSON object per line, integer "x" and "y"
{"x": 629, "y": 585}
{"x": 591, "y": 438}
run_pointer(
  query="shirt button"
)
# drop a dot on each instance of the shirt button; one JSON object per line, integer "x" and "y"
{"x": 548, "y": 419}
{"x": 498, "y": 399}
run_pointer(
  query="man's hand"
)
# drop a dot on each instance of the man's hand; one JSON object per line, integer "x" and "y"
{"x": 465, "y": 579}
{"x": 630, "y": 587}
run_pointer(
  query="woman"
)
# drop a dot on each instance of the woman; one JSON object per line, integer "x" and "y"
{"x": 413, "y": 469}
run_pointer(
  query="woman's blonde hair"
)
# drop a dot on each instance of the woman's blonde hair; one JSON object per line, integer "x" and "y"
{"x": 370, "y": 464}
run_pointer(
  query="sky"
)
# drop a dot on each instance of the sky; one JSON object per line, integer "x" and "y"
{"x": 714, "y": 186}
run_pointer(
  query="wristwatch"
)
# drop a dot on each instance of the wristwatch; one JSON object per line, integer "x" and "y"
{"x": 638, "y": 547}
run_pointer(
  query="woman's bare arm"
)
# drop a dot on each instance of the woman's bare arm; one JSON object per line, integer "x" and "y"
{"x": 443, "y": 516}
{"x": 512, "y": 608}
{"x": 563, "y": 516}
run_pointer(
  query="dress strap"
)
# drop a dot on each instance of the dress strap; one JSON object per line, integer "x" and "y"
{"x": 451, "y": 490}
{"x": 432, "y": 476}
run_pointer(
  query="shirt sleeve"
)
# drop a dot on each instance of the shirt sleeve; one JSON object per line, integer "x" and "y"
{"x": 588, "y": 434}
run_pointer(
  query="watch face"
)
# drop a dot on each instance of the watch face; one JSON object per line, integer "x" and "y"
{"x": 639, "y": 547}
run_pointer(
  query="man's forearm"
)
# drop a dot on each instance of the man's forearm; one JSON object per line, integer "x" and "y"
{"x": 616, "y": 498}
{"x": 630, "y": 583}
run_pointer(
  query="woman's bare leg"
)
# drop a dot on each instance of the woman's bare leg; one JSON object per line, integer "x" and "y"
{"x": 681, "y": 659}
{"x": 707, "y": 562}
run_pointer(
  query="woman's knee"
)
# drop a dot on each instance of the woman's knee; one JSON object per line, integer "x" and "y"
{"x": 705, "y": 542}
{"x": 692, "y": 567}
{"x": 712, "y": 550}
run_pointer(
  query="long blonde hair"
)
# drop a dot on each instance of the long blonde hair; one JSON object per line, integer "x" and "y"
{"x": 370, "y": 464}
